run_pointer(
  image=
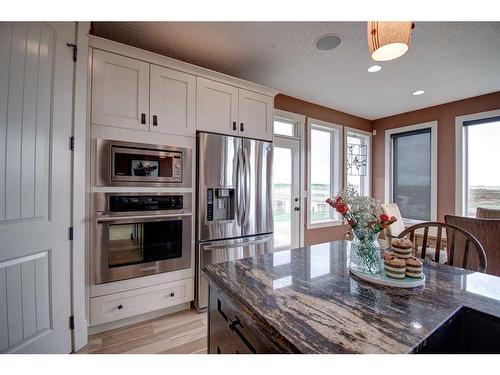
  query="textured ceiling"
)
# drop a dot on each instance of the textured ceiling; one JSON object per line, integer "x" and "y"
{"x": 449, "y": 60}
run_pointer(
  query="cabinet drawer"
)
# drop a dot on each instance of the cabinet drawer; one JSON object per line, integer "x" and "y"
{"x": 118, "y": 306}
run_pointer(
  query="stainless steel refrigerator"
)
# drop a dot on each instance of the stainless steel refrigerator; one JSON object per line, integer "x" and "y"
{"x": 234, "y": 216}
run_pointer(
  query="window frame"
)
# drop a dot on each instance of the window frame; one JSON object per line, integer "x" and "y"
{"x": 389, "y": 165}
{"x": 336, "y": 175}
{"x": 369, "y": 135}
{"x": 461, "y": 173}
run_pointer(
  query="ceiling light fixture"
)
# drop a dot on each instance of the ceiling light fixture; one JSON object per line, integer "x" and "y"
{"x": 375, "y": 68}
{"x": 388, "y": 40}
{"x": 418, "y": 92}
{"x": 328, "y": 42}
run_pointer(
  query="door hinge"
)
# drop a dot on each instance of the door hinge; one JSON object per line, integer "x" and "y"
{"x": 75, "y": 50}
{"x": 70, "y": 233}
{"x": 71, "y": 322}
{"x": 72, "y": 143}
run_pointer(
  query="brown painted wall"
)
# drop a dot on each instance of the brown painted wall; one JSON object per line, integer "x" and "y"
{"x": 290, "y": 104}
{"x": 445, "y": 115}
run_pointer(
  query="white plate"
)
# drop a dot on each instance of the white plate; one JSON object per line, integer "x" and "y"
{"x": 382, "y": 279}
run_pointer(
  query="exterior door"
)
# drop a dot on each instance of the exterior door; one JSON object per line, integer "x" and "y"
{"x": 255, "y": 115}
{"x": 36, "y": 90}
{"x": 120, "y": 91}
{"x": 217, "y": 107}
{"x": 286, "y": 193}
{"x": 173, "y": 101}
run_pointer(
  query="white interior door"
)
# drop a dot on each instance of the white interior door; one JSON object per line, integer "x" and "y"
{"x": 36, "y": 88}
{"x": 286, "y": 192}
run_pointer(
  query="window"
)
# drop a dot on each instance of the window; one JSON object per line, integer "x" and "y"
{"x": 481, "y": 177}
{"x": 411, "y": 167}
{"x": 324, "y": 166}
{"x": 282, "y": 127}
{"x": 358, "y": 160}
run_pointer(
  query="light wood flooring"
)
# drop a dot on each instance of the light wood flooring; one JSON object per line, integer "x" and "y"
{"x": 184, "y": 332}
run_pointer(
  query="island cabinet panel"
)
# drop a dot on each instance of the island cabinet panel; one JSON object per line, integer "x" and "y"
{"x": 228, "y": 329}
{"x": 173, "y": 101}
{"x": 120, "y": 91}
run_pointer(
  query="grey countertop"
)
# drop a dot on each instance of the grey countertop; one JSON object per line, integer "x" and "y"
{"x": 306, "y": 301}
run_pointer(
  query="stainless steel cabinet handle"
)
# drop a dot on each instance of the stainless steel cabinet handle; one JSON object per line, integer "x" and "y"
{"x": 143, "y": 118}
{"x": 242, "y": 127}
{"x": 234, "y": 125}
{"x": 155, "y": 120}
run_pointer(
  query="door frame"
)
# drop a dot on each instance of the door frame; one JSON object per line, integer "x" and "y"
{"x": 79, "y": 333}
{"x": 299, "y": 134}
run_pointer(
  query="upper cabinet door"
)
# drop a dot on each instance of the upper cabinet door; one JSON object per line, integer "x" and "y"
{"x": 173, "y": 101}
{"x": 120, "y": 91}
{"x": 255, "y": 115}
{"x": 217, "y": 107}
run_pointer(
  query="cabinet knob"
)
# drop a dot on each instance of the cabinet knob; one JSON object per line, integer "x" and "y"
{"x": 242, "y": 127}
{"x": 234, "y": 125}
{"x": 119, "y": 307}
{"x": 172, "y": 294}
{"x": 143, "y": 118}
{"x": 155, "y": 120}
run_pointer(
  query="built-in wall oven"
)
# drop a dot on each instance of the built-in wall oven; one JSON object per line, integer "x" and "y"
{"x": 138, "y": 164}
{"x": 139, "y": 234}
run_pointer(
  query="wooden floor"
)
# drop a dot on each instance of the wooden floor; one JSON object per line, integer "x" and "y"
{"x": 184, "y": 332}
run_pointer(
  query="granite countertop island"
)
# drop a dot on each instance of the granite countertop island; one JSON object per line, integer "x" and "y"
{"x": 306, "y": 301}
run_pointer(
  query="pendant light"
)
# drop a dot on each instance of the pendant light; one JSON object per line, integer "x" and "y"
{"x": 388, "y": 40}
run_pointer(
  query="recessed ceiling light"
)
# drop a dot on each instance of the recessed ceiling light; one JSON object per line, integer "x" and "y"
{"x": 418, "y": 92}
{"x": 328, "y": 42}
{"x": 374, "y": 68}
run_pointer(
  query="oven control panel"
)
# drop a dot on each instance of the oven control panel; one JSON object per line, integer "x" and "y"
{"x": 123, "y": 203}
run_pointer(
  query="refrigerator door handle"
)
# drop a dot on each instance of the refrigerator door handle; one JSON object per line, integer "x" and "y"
{"x": 241, "y": 189}
{"x": 246, "y": 163}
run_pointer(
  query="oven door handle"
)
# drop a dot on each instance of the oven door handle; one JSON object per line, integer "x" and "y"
{"x": 116, "y": 219}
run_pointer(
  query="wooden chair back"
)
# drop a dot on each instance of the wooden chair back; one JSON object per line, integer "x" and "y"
{"x": 487, "y": 213}
{"x": 487, "y": 232}
{"x": 463, "y": 249}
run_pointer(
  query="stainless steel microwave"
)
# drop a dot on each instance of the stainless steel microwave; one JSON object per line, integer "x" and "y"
{"x": 139, "y": 164}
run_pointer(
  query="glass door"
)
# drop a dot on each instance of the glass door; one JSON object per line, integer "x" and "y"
{"x": 286, "y": 193}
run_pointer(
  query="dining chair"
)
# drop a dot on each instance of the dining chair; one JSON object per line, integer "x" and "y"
{"x": 459, "y": 243}
{"x": 487, "y": 213}
{"x": 487, "y": 232}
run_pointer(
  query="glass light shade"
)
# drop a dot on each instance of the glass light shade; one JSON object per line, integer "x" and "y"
{"x": 390, "y": 51}
{"x": 388, "y": 40}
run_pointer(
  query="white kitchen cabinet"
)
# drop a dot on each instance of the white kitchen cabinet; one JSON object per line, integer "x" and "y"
{"x": 120, "y": 91}
{"x": 255, "y": 115}
{"x": 112, "y": 307}
{"x": 217, "y": 107}
{"x": 172, "y": 101}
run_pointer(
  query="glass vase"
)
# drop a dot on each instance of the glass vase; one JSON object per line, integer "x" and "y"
{"x": 365, "y": 254}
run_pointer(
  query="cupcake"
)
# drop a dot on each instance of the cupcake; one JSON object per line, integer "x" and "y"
{"x": 401, "y": 247}
{"x": 394, "y": 267}
{"x": 413, "y": 267}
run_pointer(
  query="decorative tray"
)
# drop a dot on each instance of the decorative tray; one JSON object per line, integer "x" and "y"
{"x": 382, "y": 279}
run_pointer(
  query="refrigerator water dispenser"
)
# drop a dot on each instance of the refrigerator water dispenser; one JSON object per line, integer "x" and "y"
{"x": 220, "y": 204}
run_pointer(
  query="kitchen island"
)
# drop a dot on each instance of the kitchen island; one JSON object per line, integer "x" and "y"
{"x": 305, "y": 301}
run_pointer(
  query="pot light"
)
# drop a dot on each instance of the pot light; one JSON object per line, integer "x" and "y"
{"x": 418, "y": 92}
{"x": 375, "y": 68}
{"x": 388, "y": 40}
